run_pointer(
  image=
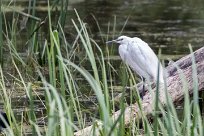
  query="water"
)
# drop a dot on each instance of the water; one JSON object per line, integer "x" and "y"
{"x": 170, "y": 25}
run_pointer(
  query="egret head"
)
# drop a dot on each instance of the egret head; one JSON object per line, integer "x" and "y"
{"x": 120, "y": 40}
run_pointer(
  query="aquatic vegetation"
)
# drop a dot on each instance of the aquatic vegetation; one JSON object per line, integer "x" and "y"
{"x": 54, "y": 76}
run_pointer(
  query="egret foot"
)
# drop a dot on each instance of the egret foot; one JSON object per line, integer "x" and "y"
{"x": 128, "y": 88}
{"x": 138, "y": 86}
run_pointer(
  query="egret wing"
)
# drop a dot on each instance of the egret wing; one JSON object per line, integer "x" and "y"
{"x": 125, "y": 56}
{"x": 142, "y": 55}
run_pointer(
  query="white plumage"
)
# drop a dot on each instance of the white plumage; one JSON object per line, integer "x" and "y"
{"x": 140, "y": 57}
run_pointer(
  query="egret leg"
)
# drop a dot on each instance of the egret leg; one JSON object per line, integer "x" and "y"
{"x": 143, "y": 88}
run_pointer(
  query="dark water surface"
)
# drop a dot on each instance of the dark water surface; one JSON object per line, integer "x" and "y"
{"x": 171, "y": 24}
{"x": 167, "y": 24}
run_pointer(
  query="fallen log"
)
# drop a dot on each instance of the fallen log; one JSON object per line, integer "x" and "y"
{"x": 174, "y": 87}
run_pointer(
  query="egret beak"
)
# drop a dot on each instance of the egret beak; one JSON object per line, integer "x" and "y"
{"x": 109, "y": 42}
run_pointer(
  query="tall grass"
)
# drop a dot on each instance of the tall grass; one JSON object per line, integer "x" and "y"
{"x": 64, "y": 112}
{"x": 1, "y": 35}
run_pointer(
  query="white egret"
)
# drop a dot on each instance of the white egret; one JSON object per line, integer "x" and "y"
{"x": 140, "y": 57}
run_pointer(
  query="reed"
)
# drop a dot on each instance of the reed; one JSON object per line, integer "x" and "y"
{"x": 1, "y": 35}
{"x": 64, "y": 112}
